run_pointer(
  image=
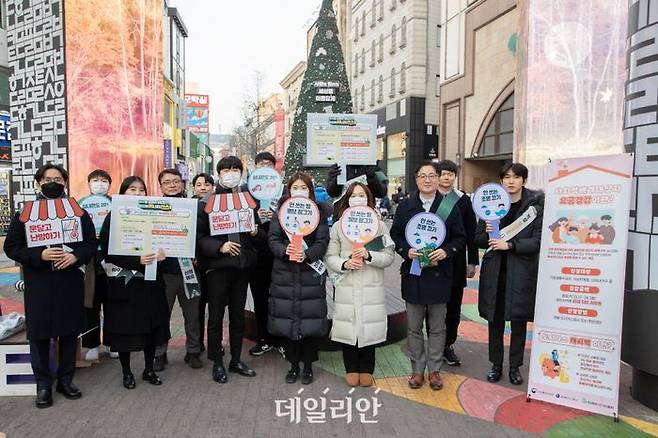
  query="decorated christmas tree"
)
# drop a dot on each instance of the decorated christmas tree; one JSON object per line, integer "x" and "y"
{"x": 325, "y": 89}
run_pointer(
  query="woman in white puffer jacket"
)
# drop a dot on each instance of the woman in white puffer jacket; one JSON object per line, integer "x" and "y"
{"x": 360, "y": 319}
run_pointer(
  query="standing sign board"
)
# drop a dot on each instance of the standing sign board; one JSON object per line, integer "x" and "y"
{"x": 576, "y": 343}
{"x": 144, "y": 224}
{"x": 341, "y": 139}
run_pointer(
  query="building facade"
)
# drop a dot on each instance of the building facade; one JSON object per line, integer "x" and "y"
{"x": 291, "y": 85}
{"x": 175, "y": 115}
{"x": 393, "y": 65}
{"x": 477, "y": 77}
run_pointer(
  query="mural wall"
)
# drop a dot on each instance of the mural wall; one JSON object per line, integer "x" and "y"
{"x": 94, "y": 103}
{"x": 37, "y": 90}
{"x": 114, "y": 89}
{"x": 570, "y": 80}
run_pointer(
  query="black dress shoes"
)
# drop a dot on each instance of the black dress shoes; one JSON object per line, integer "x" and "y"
{"x": 219, "y": 373}
{"x": 44, "y": 398}
{"x": 307, "y": 376}
{"x": 292, "y": 376}
{"x": 129, "y": 381}
{"x": 68, "y": 390}
{"x": 515, "y": 377}
{"x": 495, "y": 373}
{"x": 242, "y": 369}
{"x": 151, "y": 377}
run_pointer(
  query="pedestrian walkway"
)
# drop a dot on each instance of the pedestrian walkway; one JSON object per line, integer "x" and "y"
{"x": 191, "y": 404}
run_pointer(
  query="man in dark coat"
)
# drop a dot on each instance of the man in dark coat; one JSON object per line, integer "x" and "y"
{"x": 508, "y": 277}
{"x": 377, "y": 182}
{"x": 261, "y": 274}
{"x": 426, "y": 295}
{"x": 448, "y": 172}
{"x": 227, "y": 260}
{"x": 54, "y": 288}
{"x": 171, "y": 185}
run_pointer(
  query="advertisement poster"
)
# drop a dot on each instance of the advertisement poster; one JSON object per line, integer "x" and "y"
{"x": 198, "y": 109}
{"x": 230, "y": 213}
{"x": 98, "y": 207}
{"x": 576, "y": 343}
{"x": 341, "y": 138}
{"x": 142, "y": 225}
{"x": 52, "y": 222}
{"x": 5, "y": 202}
{"x": 5, "y": 136}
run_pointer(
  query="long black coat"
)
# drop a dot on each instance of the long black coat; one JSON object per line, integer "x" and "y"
{"x": 469, "y": 220}
{"x": 298, "y": 295}
{"x": 136, "y": 308}
{"x": 435, "y": 283}
{"x": 54, "y": 300}
{"x": 207, "y": 246}
{"x": 522, "y": 265}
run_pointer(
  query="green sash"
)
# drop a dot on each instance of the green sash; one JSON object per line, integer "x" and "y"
{"x": 447, "y": 204}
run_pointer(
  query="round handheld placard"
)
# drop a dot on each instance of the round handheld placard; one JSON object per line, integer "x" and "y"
{"x": 360, "y": 224}
{"x": 425, "y": 230}
{"x": 299, "y": 216}
{"x": 491, "y": 202}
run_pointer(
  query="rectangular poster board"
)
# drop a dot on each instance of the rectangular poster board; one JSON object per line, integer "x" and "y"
{"x": 341, "y": 139}
{"x": 576, "y": 342}
{"x": 144, "y": 224}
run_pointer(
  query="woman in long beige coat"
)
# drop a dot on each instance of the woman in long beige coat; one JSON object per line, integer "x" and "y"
{"x": 360, "y": 320}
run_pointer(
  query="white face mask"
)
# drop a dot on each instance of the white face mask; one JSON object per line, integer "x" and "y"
{"x": 358, "y": 201}
{"x": 231, "y": 179}
{"x": 99, "y": 187}
{"x": 303, "y": 193}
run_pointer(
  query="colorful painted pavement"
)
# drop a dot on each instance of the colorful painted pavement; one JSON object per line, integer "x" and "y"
{"x": 468, "y": 396}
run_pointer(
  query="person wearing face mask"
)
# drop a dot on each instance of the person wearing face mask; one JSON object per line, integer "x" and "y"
{"x": 171, "y": 185}
{"x": 136, "y": 312}
{"x": 260, "y": 277}
{"x": 227, "y": 260}
{"x": 298, "y": 296}
{"x": 375, "y": 177}
{"x": 54, "y": 286}
{"x": 98, "y": 204}
{"x": 360, "y": 319}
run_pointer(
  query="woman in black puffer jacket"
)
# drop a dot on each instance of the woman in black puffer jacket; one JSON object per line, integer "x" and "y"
{"x": 298, "y": 297}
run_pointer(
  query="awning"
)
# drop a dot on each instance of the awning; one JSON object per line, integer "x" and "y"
{"x": 229, "y": 202}
{"x": 61, "y": 208}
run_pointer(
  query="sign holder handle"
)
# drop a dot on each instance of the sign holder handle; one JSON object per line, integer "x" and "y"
{"x": 296, "y": 243}
{"x": 416, "y": 269}
{"x": 495, "y": 233}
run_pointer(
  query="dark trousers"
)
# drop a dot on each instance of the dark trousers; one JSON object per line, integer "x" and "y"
{"x": 304, "y": 350}
{"x": 260, "y": 279}
{"x": 453, "y": 314}
{"x": 497, "y": 332}
{"x": 226, "y": 287}
{"x": 203, "y": 301}
{"x": 93, "y": 338}
{"x": 40, "y": 359}
{"x": 359, "y": 359}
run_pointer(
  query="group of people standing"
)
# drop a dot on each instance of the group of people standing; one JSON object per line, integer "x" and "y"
{"x": 288, "y": 288}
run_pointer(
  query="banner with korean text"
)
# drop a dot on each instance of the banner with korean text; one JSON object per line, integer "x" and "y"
{"x": 576, "y": 343}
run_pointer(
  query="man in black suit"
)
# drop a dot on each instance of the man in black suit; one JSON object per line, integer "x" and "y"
{"x": 448, "y": 172}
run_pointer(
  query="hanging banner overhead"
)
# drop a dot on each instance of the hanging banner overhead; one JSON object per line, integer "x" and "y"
{"x": 341, "y": 139}
{"x": 576, "y": 343}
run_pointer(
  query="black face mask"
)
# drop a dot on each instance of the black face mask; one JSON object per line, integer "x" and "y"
{"x": 52, "y": 190}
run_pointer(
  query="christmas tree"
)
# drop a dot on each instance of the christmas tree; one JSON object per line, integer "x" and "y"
{"x": 325, "y": 89}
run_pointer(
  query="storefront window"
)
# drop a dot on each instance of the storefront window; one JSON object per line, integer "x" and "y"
{"x": 499, "y": 137}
